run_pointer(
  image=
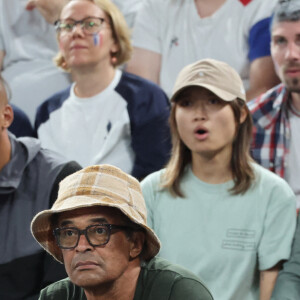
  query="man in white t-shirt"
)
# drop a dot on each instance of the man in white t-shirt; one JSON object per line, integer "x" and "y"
{"x": 169, "y": 35}
{"x": 276, "y": 114}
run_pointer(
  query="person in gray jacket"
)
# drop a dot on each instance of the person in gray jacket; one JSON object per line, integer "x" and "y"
{"x": 29, "y": 177}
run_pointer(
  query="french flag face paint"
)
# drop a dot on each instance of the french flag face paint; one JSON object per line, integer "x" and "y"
{"x": 97, "y": 39}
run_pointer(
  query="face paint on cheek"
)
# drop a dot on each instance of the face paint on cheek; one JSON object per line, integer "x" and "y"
{"x": 97, "y": 39}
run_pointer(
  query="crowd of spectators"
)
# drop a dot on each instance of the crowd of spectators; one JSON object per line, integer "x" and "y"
{"x": 198, "y": 100}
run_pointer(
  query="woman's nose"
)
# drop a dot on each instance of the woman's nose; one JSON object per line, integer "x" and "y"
{"x": 200, "y": 111}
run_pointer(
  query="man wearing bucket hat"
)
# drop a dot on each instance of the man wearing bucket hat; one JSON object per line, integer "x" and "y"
{"x": 97, "y": 228}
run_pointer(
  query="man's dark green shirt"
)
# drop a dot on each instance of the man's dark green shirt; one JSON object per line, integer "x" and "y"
{"x": 158, "y": 280}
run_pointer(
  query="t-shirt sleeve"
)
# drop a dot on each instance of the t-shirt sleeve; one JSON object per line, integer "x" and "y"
{"x": 278, "y": 226}
{"x": 129, "y": 9}
{"x": 149, "y": 185}
{"x": 190, "y": 289}
{"x": 259, "y": 37}
{"x": 259, "y": 40}
{"x": 288, "y": 282}
{"x": 148, "y": 23}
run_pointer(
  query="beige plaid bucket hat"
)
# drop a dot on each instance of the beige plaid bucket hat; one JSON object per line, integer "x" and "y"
{"x": 100, "y": 185}
{"x": 214, "y": 75}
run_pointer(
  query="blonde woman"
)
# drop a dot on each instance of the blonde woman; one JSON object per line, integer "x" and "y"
{"x": 217, "y": 212}
{"x": 106, "y": 116}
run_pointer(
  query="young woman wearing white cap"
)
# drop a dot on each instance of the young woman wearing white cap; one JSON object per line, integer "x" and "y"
{"x": 215, "y": 211}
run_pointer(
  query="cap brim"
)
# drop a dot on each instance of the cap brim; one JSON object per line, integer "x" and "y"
{"x": 226, "y": 96}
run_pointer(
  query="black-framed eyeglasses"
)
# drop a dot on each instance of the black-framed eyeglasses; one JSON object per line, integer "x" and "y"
{"x": 89, "y": 25}
{"x": 96, "y": 235}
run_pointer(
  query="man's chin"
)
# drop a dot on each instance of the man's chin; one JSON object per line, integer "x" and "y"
{"x": 86, "y": 279}
{"x": 295, "y": 90}
{"x": 293, "y": 85}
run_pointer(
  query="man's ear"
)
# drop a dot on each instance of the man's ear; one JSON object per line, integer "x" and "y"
{"x": 137, "y": 244}
{"x": 7, "y": 116}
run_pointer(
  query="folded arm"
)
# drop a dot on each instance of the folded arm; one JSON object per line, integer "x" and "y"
{"x": 267, "y": 281}
{"x": 145, "y": 63}
{"x": 262, "y": 76}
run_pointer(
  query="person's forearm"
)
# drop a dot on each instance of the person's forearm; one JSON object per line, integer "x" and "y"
{"x": 262, "y": 77}
{"x": 267, "y": 282}
{"x": 50, "y": 15}
{"x": 145, "y": 63}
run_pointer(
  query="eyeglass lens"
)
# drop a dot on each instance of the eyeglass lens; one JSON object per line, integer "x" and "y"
{"x": 96, "y": 235}
{"x": 89, "y": 25}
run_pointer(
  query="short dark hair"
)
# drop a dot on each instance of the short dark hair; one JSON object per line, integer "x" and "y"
{"x": 286, "y": 11}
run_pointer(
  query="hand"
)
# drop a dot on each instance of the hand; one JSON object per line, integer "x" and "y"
{"x": 30, "y": 5}
{"x": 49, "y": 9}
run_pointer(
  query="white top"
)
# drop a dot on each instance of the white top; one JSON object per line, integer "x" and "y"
{"x": 80, "y": 127}
{"x": 30, "y": 45}
{"x": 125, "y": 125}
{"x": 293, "y": 160}
{"x": 174, "y": 29}
{"x": 129, "y": 9}
{"x": 224, "y": 239}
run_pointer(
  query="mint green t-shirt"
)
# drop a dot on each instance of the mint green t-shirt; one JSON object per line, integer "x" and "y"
{"x": 158, "y": 280}
{"x": 224, "y": 239}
